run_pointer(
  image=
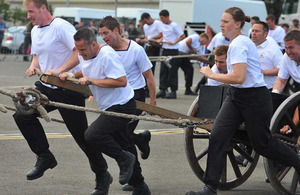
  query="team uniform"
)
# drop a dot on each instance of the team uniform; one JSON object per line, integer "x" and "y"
{"x": 217, "y": 40}
{"x": 278, "y": 34}
{"x": 212, "y": 82}
{"x": 185, "y": 63}
{"x": 108, "y": 134}
{"x": 289, "y": 68}
{"x": 169, "y": 77}
{"x": 249, "y": 102}
{"x": 53, "y": 45}
{"x": 135, "y": 62}
{"x": 270, "y": 58}
{"x": 152, "y": 30}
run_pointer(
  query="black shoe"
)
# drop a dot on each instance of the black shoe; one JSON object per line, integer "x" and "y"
{"x": 188, "y": 91}
{"x": 206, "y": 190}
{"x": 126, "y": 163}
{"x": 44, "y": 161}
{"x": 142, "y": 141}
{"x": 267, "y": 180}
{"x": 141, "y": 189}
{"x": 161, "y": 94}
{"x": 127, "y": 187}
{"x": 171, "y": 95}
{"x": 102, "y": 184}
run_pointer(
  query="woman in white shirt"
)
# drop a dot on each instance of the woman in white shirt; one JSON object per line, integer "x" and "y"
{"x": 248, "y": 100}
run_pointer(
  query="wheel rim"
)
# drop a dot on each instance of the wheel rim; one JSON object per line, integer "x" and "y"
{"x": 196, "y": 145}
{"x": 284, "y": 179}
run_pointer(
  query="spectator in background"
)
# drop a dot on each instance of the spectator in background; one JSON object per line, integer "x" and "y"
{"x": 27, "y": 40}
{"x": 252, "y": 21}
{"x": 132, "y": 32}
{"x": 3, "y": 28}
{"x": 275, "y": 31}
{"x": 286, "y": 27}
{"x": 123, "y": 31}
{"x": 93, "y": 27}
{"x": 140, "y": 29}
{"x": 79, "y": 25}
{"x": 295, "y": 24}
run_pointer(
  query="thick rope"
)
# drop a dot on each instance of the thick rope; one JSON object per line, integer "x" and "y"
{"x": 43, "y": 101}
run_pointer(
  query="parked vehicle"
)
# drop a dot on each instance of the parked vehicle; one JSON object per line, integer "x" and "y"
{"x": 13, "y": 39}
{"x": 290, "y": 11}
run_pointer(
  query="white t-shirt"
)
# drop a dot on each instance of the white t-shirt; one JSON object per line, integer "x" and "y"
{"x": 107, "y": 64}
{"x": 171, "y": 32}
{"x": 270, "y": 58}
{"x": 135, "y": 62}
{"x": 289, "y": 68}
{"x": 243, "y": 50}
{"x": 217, "y": 40}
{"x": 214, "y": 82}
{"x": 153, "y": 29}
{"x": 278, "y": 35}
{"x": 195, "y": 44}
{"x": 53, "y": 44}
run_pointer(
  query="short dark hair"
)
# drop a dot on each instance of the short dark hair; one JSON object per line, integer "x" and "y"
{"x": 85, "y": 34}
{"x": 110, "y": 23}
{"x": 256, "y": 18}
{"x": 265, "y": 26}
{"x": 270, "y": 17}
{"x": 293, "y": 35}
{"x": 285, "y": 25}
{"x": 145, "y": 16}
{"x": 164, "y": 13}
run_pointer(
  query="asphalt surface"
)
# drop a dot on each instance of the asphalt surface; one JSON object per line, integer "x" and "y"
{"x": 167, "y": 171}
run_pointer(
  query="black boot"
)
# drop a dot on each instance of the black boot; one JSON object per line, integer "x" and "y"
{"x": 206, "y": 190}
{"x": 142, "y": 142}
{"x": 45, "y": 160}
{"x": 125, "y": 162}
{"x": 188, "y": 91}
{"x": 127, "y": 187}
{"x": 161, "y": 94}
{"x": 171, "y": 95}
{"x": 141, "y": 189}
{"x": 102, "y": 184}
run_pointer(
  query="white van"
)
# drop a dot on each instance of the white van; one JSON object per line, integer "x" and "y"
{"x": 85, "y": 15}
{"x": 210, "y": 11}
{"x": 290, "y": 11}
{"x": 127, "y": 15}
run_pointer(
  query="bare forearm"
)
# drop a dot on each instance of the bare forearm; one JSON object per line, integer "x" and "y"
{"x": 279, "y": 84}
{"x": 270, "y": 72}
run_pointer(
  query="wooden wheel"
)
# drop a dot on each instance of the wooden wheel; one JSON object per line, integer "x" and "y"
{"x": 196, "y": 145}
{"x": 284, "y": 179}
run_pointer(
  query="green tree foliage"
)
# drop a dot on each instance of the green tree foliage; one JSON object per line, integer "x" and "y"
{"x": 18, "y": 15}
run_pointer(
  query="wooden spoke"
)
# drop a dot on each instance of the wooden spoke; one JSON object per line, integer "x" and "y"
{"x": 234, "y": 164}
{"x": 201, "y": 154}
{"x": 281, "y": 175}
{"x": 243, "y": 153}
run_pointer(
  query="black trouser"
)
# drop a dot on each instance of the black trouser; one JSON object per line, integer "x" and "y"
{"x": 137, "y": 177}
{"x": 110, "y": 135}
{"x": 188, "y": 69}
{"x": 254, "y": 107}
{"x": 75, "y": 121}
{"x": 152, "y": 51}
{"x": 168, "y": 77}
